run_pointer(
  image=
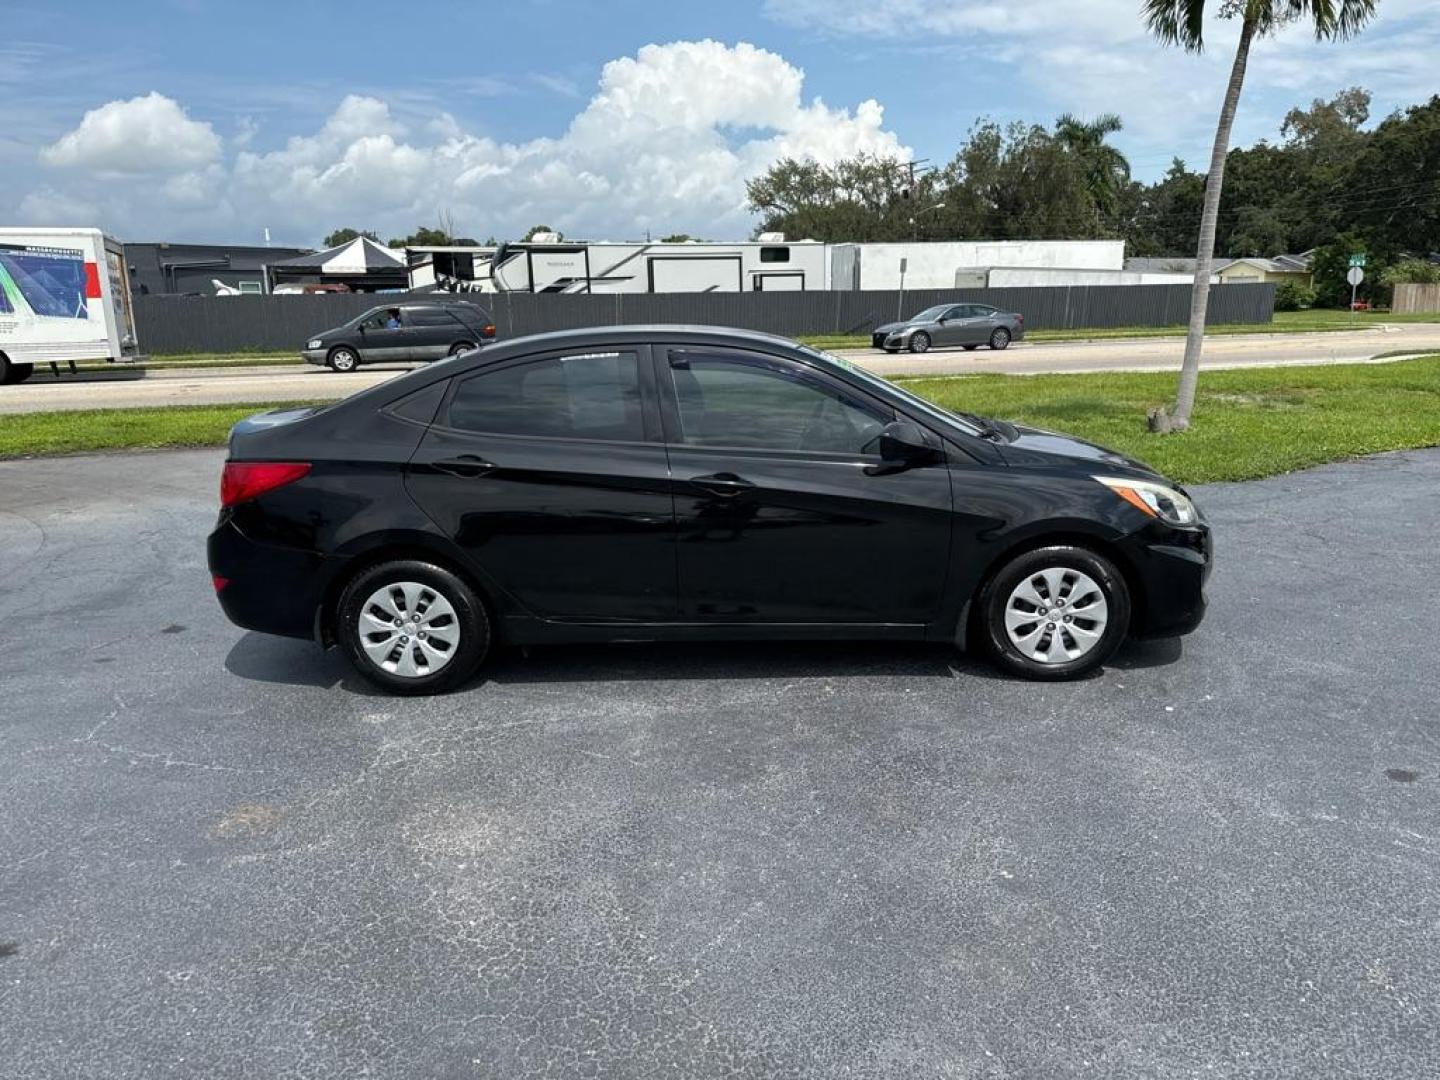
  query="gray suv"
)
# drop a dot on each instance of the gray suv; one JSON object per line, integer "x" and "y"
{"x": 404, "y": 331}
{"x": 968, "y": 325}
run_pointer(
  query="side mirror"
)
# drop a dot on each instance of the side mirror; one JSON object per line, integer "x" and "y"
{"x": 903, "y": 443}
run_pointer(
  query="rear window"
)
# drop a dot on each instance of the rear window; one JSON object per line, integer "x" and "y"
{"x": 587, "y": 396}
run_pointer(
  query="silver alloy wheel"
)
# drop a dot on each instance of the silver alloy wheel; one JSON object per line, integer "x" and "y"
{"x": 919, "y": 342}
{"x": 343, "y": 360}
{"x": 408, "y": 629}
{"x": 1000, "y": 338}
{"x": 1056, "y": 615}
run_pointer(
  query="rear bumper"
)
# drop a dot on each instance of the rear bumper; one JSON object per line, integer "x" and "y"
{"x": 1173, "y": 566}
{"x": 274, "y": 590}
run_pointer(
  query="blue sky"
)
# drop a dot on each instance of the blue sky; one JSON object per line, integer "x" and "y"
{"x": 187, "y": 119}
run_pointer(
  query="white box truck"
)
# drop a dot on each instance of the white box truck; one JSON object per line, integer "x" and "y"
{"x": 64, "y": 296}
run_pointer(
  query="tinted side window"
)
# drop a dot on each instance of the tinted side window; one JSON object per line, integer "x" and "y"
{"x": 591, "y": 396}
{"x": 959, "y": 311}
{"x": 754, "y": 403}
{"x": 774, "y": 254}
{"x": 430, "y": 317}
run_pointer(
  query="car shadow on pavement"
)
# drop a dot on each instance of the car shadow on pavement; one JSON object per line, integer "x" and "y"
{"x": 262, "y": 658}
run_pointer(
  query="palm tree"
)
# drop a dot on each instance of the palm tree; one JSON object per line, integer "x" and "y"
{"x": 1182, "y": 22}
{"x": 1105, "y": 167}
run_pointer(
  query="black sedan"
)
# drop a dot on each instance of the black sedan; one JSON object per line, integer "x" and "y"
{"x": 687, "y": 483}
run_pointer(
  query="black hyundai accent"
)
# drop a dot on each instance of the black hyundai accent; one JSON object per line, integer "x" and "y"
{"x": 685, "y": 483}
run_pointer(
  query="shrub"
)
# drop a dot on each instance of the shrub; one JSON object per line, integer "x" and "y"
{"x": 1293, "y": 296}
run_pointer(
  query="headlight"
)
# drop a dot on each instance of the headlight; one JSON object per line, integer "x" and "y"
{"x": 314, "y": 343}
{"x": 1157, "y": 500}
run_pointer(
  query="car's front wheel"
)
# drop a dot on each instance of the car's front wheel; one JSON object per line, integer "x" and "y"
{"x": 1055, "y": 612}
{"x": 412, "y": 627}
{"x": 343, "y": 359}
{"x": 919, "y": 342}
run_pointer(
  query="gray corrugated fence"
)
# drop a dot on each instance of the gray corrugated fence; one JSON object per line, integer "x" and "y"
{"x": 180, "y": 324}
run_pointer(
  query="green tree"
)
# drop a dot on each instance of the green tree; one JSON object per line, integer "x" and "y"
{"x": 1160, "y": 219}
{"x": 1331, "y": 263}
{"x": 1393, "y": 194}
{"x": 1182, "y": 22}
{"x": 344, "y": 236}
{"x": 424, "y": 236}
{"x": 1105, "y": 169}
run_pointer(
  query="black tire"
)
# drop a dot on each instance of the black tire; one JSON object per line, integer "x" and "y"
{"x": 1000, "y": 339}
{"x": 919, "y": 342}
{"x": 971, "y": 348}
{"x": 342, "y": 358}
{"x": 11, "y": 372}
{"x": 892, "y": 352}
{"x": 461, "y": 347}
{"x": 470, "y": 618}
{"x": 990, "y": 611}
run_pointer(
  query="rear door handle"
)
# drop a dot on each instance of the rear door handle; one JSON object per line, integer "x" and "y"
{"x": 725, "y": 484}
{"x": 468, "y": 466}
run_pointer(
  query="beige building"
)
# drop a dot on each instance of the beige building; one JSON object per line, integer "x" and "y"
{"x": 1252, "y": 270}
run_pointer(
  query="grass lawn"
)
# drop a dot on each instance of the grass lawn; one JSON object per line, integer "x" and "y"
{"x": 25, "y": 434}
{"x": 1286, "y": 322}
{"x": 1248, "y": 423}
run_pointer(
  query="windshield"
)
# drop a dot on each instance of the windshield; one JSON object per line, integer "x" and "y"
{"x": 930, "y": 314}
{"x": 885, "y": 384}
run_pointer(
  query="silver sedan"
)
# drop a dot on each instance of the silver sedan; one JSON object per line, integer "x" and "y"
{"x": 967, "y": 325}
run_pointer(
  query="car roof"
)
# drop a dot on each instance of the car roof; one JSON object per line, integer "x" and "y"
{"x": 639, "y": 333}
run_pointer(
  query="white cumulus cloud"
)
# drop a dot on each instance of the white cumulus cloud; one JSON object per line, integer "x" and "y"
{"x": 149, "y": 134}
{"x": 665, "y": 143}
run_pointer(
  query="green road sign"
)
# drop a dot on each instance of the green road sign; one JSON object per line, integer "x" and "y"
{"x": 1357, "y": 260}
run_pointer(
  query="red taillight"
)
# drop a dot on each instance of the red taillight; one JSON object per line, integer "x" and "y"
{"x": 488, "y": 329}
{"x": 219, "y": 582}
{"x": 243, "y": 480}
{"x": 1020, "y": 318}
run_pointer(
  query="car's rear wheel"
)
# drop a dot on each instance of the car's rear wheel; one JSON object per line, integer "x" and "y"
{"x": 343, "y": 359}
{"x": 1000, "y": 339}
{"x": 1054, "y": 613}
{"x": 412, "y": 627}
{"x": 919, "y": 342}
{"x": 461, "y": 347}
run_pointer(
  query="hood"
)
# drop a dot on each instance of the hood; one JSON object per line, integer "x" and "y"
{"x": 1032, "y": 446}
{"x": 893, "y": 327}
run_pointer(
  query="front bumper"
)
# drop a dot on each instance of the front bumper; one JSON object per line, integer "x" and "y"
{"x": 1171, "y": 567}
{"x": 313, "y": 356}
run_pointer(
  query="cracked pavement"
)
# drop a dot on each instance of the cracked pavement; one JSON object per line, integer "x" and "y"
{"x": 223, "y": 856}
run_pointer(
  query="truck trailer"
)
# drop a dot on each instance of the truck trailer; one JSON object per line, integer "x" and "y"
{"x": 64, "y": 297}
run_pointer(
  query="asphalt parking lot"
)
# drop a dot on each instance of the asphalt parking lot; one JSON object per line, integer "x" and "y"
{"x": 222, "y": 856}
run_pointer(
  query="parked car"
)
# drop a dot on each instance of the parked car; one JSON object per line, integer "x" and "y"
{"x": 405, "y": 331}
{"x": 687, "y": 484}
{"x": 969, "y": 325}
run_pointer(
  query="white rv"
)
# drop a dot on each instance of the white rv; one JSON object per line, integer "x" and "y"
{"x": 767, "y": 265}
{"x": 455, "y": 269}
{"x": 64, "y": 296}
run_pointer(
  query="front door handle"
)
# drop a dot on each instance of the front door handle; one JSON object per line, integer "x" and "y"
{"x": 467, "y": 466}
{"x": 725, "y": 484}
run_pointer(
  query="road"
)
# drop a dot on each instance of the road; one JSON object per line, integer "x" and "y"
{"x": 304, "y": 382}
{"x": 223, "y": 857}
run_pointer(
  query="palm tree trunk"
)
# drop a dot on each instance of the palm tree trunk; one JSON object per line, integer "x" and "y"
{"x": 1179, "y": 417}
